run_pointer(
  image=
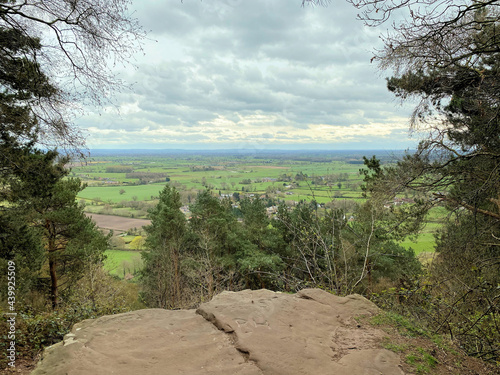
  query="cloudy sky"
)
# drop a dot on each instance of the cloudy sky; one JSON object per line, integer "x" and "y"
{"x": 256, "y": 74}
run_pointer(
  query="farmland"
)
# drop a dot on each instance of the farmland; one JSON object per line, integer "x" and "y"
{"x": 115, "y": 178}
{"x": 122, "y": 186}
{"x": 121, "y": 262}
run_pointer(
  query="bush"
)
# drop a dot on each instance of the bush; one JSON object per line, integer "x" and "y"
{"x": 95, "y": 295}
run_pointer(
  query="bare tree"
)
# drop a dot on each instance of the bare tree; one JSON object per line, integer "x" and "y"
{"x": 316, "y": 2}
{"x": 432, "y": 34}
{"x": 79, "y": 44}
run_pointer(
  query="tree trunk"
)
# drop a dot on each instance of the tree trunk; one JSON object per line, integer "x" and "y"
{"x": 51, "y": 250}
{"x": 177, "y": 283}
{"x": 53, "y": 281}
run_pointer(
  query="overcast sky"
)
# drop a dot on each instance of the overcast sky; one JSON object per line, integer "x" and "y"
{"x": 256, "y": 74}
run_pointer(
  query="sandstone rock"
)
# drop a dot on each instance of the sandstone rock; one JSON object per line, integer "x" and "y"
{"x": 247, "y": 332}
{"x": 312, "y": 332}
{"x": 153, "y": 341}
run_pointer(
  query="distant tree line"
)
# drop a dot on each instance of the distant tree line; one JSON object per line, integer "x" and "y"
{"x": 146, "y": 175}
{"x": 119, "y": 169}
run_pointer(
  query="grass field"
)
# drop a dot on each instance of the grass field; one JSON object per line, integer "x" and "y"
{"x": 328, "y": 177}
{"x": 112, "y": 193}
{"x": 289, "y": 177}
{"x": 121, "y": 263}
{"x": 426, "y": 242}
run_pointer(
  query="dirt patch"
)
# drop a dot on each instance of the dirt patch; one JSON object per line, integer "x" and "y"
{"x": 118, "y": 223}
{"x": 23, "y": 367}
{"x": 423, "y": 355}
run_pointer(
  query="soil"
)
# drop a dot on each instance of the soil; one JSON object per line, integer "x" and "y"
{"x": 451, "y": 360}
{"x": 118, "y": 223}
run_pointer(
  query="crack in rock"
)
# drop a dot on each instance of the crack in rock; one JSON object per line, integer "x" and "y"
{"x": 252, "y": 332}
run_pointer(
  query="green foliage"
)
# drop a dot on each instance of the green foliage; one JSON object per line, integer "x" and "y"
{"x": 42, "y": 228}
{"x": 404, "y": 325}
{"x": 456, "y": 166}
{"x": 161, "y": 276}
{"x": 23, "y": 82}
{"x": 329, "y": 252}
{"x": 372, "y": 174}
{"x": 137, "y": 243}
{"x": 422, "y": 361}
{"x": 49, "y": 225}
{"x": 96, "y": 295}
{"x": 394, "y": 347}
{"x": 21, "y": 243}
{"x": 70, "y": 235}
{"x": 188, "y": 262}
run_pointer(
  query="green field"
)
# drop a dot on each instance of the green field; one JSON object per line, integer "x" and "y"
{"x": 129, "y": 184}
{"x": 112, "y": 193}
{"x": 325, "y": 178}
{"x": 120, "y": 263}
{"x": 426, "y": 242}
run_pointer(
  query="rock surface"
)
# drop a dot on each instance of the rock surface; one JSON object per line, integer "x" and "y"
{"x": 247, "y": 333}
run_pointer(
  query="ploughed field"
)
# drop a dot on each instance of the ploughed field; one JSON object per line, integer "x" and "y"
{"x": 118, "y": 223}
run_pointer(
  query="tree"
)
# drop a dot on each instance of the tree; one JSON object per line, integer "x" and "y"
{"x": 23, "y": 85}
{"x": 446, "y": 54}
{"x": 161, "y": 276}
{"x": 80, "y": 40}
{"x": 45, "y": 199}
{"x": 212, "y": 223}
{"x": 137, "y": 243}
{"x": 20, "y": 242}
{"x": 328, "y": 252}
{"x": 260, "y": 247}
{"x": 51, "y": 54}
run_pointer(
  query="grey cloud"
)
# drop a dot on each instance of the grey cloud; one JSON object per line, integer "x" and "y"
{"x": 238, "y": 58}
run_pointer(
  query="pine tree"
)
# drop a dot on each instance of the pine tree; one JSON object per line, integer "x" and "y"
{"x": 447, "y": 55}
{"x": 161, "y": 277}
{"x": 44, "y": 202}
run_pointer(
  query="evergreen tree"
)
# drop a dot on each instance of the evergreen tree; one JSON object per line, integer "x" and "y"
{"x": 161, "y": 277}
{"x": 447, "y": 56}
{"x": 44, "y": 202}
{"x": 259, "y": 257}
{"x": 212, "y": 223}
{"x": 71, "y": 238}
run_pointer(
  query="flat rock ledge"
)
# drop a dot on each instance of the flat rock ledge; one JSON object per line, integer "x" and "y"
{"x": 252, "y": 332}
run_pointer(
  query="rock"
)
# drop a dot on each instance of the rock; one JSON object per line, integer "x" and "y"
{"x": 247, "y": 332}
{"x": 153, "y": 341}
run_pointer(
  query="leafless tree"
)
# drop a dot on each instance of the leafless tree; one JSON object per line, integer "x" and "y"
{"x": 81, "y": 42}
{"x": 316, "y": 2}
{"x": 432, "y": 34}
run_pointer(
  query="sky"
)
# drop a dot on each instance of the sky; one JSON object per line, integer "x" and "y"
{"x": 252, "y": 74}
